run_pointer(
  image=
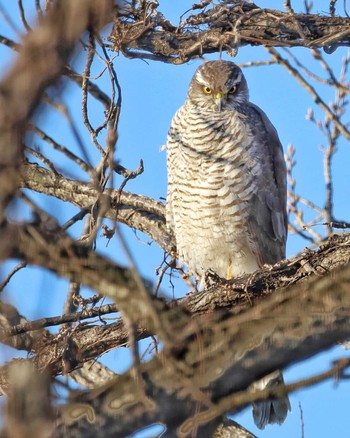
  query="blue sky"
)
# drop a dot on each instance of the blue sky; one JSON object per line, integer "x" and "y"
{"x": 152, "y": 92}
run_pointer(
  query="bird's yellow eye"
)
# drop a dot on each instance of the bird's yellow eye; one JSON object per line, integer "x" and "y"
{"x": 207, "y": 90}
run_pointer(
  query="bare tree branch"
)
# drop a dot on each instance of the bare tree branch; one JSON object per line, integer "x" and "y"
{"x": 92, "y": 341}
{"x": 43, "y": 57}
{"x": 136, "y": 211}
{"x": 307, "y": 318}
{"x": 143, "y": 32}
{"x": 29, "y": 412}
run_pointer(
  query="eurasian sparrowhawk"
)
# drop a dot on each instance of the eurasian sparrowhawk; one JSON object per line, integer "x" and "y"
{"x": 226, "y": 200}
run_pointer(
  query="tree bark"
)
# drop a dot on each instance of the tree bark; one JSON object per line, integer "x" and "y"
{"x": 143, "y": 32}
{"x": 219, "y": 356}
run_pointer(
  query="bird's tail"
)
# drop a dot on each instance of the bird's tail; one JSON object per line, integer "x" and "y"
{"x": 274, "y": 410}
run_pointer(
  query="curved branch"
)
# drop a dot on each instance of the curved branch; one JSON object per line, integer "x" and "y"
{"x": 94, "y": 340}
{"x": 307, "y": 318}
{"x": 55, "y": 250}
{"x": 144, "y": 33}
{"x": 136, "y": 211}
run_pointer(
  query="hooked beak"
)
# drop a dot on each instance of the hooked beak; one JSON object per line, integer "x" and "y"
{"x": 220, "y": 99}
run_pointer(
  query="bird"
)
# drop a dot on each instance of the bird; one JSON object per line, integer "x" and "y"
{"x": 226, "y": 199}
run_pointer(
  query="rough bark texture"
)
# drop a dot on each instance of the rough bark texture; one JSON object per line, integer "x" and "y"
{"x": 137, "y": 211}
{"x": 144, "y": 32}
{"x": 217, "y": 356}
{"x": 307, "y": 318}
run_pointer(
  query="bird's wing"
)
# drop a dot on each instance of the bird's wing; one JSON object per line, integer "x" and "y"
{"x": 268, "y": 219}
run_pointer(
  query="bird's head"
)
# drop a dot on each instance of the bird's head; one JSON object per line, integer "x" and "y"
{"x": 218, "y": 85}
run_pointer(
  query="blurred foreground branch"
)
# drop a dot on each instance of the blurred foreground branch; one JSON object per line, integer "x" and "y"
{"x": 307, "y": 318}
{"x": 44, "y": 54}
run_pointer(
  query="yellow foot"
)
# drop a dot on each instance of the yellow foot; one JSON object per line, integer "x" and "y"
{"x": 229, "y": 273}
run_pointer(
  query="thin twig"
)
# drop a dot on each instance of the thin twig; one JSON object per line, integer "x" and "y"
{"x": 78, "y": 217}
{"x": 9, "y": 20}
{"x": 23, "y": 16}
{"x": 84, "y": 89}
{"x": 77, "y": 160}
{"x": 9, "y": 43}
{"x": 302, "y": 421}
{"x": 11, "y": 274}
{"x": 42, "y": 158}
{"x": 333, "y": 117}
{"x": 68, "y": 318}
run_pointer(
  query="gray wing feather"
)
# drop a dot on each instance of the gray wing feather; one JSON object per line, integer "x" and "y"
{"x": 268, "y": 222}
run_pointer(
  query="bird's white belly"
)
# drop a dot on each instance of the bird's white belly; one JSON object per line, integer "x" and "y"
{"x": 215, "y": 238}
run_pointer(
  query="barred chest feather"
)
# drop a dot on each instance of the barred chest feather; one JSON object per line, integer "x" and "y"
{"x": 213, "y": 168}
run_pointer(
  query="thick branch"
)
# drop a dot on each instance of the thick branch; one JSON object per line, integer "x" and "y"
{"x": 145, "y": 33}
{"x": 310, "y": 317}
{"x": 136, "y": 211}
{"x": 94, "y": 340}
{"x": 287, "y": 327}
{"x": 333, "y": 253}
{"x": 56, "y": 251}
{"x": 242, "y": 350}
